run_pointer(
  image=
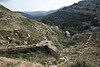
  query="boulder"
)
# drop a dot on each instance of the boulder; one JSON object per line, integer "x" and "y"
{"x": 67, "y": 33}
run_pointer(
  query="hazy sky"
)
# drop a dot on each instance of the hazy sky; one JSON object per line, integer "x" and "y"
{"x": 36, "y": 5}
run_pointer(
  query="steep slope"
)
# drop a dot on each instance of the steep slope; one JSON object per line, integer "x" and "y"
{"x": 18, "y": 33}
{"x": 77, "y": 17}
{"x": 22, "y": 28}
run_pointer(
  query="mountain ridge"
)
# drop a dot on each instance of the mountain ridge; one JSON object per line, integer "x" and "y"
{"x": 79, "y": 16}
{"x": 36, "y": 14}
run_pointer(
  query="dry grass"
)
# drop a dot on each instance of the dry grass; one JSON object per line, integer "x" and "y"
{"x": 7, "y": 62}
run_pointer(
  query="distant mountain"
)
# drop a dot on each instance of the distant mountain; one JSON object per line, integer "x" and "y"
{"x": 77, "y": 17}
{"x": 36, "y": 14}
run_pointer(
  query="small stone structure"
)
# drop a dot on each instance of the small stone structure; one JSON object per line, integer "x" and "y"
{"x": 50, "y": 47}
{"x": 43, "y": 45}
{"x": 49, "y": 44}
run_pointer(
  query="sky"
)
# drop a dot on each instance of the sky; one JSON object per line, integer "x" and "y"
{"x": 36, "y": 5}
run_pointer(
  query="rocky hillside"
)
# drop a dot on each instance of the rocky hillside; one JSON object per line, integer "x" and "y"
{"x": 79, "y": 17}
{"x": 28, "y": 42}
{"x": 82, "y": 20}
{"x": 21, "y": 29}
{"x": 23, "y": 38}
